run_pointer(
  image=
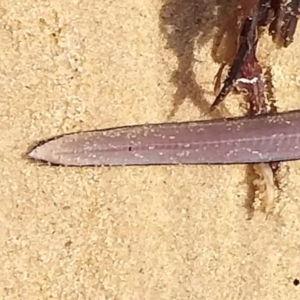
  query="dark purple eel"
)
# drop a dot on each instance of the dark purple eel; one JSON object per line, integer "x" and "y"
{"x": 242, "y": 140}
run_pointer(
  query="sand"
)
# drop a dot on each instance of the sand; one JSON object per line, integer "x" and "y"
{"x": 180, "y": 232}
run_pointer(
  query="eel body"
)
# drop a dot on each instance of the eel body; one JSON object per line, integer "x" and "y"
{"x": 241, "y": 140}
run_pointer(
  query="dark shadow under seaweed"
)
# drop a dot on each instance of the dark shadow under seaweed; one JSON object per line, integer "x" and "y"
{"x": 183, "y": 22}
